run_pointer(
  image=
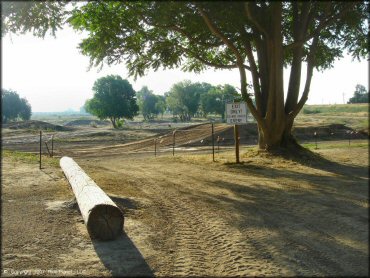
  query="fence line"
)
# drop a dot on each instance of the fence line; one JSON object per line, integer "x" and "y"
{"x": 206, "y": 135}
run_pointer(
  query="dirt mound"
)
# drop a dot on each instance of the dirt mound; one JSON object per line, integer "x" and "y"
{"x": 328, "y": 132}
{"x": 86, "y": 123}
{"x": 37, "y": 125}
{"x": 248, "y": 134}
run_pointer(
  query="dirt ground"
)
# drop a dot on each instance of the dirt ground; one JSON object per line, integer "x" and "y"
{"x": 188, "y": 216}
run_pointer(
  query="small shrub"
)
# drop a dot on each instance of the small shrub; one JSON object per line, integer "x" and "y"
{"x": 93, "y": 124}
{"x": 309, "y": 111}
{"x": 120, "y": 123}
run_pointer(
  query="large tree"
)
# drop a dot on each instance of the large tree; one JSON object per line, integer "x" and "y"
{"x": 13, "y": 107}
{"x": 150, "y": 104}
{"x": 183, "y": 98}
{"x": 256, "y": 37}
{"x": 114, "y": 98}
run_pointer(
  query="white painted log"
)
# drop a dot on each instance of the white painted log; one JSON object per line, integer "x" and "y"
{"x": 102, "y": 217}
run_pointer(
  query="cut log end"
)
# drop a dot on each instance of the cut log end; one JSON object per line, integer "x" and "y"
{"x": 105, "y": 222}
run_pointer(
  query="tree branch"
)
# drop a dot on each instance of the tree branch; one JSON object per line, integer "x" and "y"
{"x": 181, "y": 31}
{"x": 310, "y": 66}
{"x": 243, "y": 79}
{"x": 253, "y": 68}
{"x": 190, "y": 38}
{"x": 218, "y": 34}
{"x": 321, "y": 26}
{"x": 208, "y": 63}
{"x": 253, "y": 20}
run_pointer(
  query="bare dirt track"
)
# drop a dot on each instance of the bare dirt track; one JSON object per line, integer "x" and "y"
{"x": 187, "y": 216}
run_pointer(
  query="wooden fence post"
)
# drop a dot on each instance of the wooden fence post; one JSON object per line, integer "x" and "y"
{"x": 236, "y": 138}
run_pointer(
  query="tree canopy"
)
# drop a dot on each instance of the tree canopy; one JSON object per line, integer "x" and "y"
{"x": 361, "y": 95}
{"x": 114, "y": 98}
{"x": 14, "y": 107}
{"x": 255, "y": 37}
{"x": 183, "y": 98}
{"x": 150, "y": 104}
{"x": 215, "y": 99}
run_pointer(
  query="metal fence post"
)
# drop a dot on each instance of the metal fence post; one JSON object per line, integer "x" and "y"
{"x": 173, "y": 143}
{"x": 52, "y": 145}
{"x": 155, "y": 147}
{"x": 213, "y": 144}
{"x": 40, "y": 147}
{"x": 218, "y": 144}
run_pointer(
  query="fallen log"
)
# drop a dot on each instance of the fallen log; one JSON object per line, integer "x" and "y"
{"x": 103, "y": 219}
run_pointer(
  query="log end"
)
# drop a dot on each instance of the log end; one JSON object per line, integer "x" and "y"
{"x": 105, "y": 222}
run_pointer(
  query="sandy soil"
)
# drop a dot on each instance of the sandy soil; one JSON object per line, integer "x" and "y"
{"x": 187, "y": 216}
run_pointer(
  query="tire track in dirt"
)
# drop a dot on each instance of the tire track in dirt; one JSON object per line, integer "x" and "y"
{"x": 238, "y": 234}
{"x": 205, "y": 244}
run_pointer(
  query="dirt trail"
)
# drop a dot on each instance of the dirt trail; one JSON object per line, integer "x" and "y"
{"x": 186, "y": 216}
{"x": 253, "y": 220}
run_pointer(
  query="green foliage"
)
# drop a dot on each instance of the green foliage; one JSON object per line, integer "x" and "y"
{"x": 33, "y": 16}
{"x": 25, "y": 112}
{"x": 150, "y": 105}
{"x": 361, "y": 95}
{"x": 313, "y": 111}
{"x": 30, "y": 158}
{"x": 183, "y": 98}
{"x": 153, "y": 34}
{"x": 260, "y": 37}
{"x": 335, "y": 109}
{"x": 114, "y": 98}
{"x": 337, "y": 145}
{"x": 215, "y": 99}
{"x": 160, "y": 105}
{"x": 120, "y": 123}
{"x": 14, "y": 107}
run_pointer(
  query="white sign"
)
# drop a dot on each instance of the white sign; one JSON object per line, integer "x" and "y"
{"x": 236, "y": 113}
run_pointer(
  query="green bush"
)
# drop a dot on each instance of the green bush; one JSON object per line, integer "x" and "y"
{"x": 120, "y": 123}
{"x": 309, "y": 111}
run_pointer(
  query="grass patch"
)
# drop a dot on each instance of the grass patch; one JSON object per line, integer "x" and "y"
{"x": 30, "y": 158}
{"x": 250, "y": 154}
{"x": 363, "y": 144}
{"x": 336, "y": 108}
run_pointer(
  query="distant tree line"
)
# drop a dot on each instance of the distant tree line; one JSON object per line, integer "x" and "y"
{"x": 115, "y": 99}
{"x": 13, "y": 107}
{"x": 361, "y": 95}
{"x": 186, "y": 100}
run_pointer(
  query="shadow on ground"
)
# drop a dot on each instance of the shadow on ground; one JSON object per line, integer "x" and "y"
{"x": 317, "y": 229}
{"x": 314, "y": 160}
{"x": 121, "y": 257}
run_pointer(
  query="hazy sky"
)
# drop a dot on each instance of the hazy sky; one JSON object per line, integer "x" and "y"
{"x": 53, "y": 76}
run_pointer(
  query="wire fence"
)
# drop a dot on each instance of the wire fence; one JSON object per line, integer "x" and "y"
{"x": 205, "y": 138}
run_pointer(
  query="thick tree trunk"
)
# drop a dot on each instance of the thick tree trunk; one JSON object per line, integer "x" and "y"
{"x": 114, "y": 123}
{"x": 274, "y": 117}
{"x": 277, "y": 137}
